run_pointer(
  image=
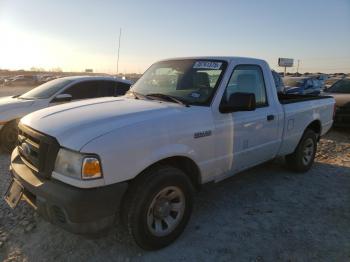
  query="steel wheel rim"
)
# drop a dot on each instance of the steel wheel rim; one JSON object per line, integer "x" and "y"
{"x": 166, "y": 211}
{"x": 308, "y": 151}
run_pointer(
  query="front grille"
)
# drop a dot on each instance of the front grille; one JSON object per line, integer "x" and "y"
{"x": 38, "y": 151}
{"x": 28, "y": 148}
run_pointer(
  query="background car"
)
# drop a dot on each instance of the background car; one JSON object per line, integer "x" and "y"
{"x": 54, "y": 92}
{"x": 341, "y": 92}
{"x": 22, "y": 80}
{"x": 2, "y": 81}
{"x": 302, "y": 85}
{"x": 330, "y": 81}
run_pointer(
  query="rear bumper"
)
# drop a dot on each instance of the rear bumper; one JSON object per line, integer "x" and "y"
{"x": 81, "y": 211}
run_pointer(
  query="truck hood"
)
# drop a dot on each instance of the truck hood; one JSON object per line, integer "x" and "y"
{"x": 75, "y": 124}
{"x": 10, "y": 102}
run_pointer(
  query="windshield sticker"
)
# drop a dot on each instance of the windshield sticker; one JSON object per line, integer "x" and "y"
{"x": 207, "y": 65}
{"x": 195, "y": 95}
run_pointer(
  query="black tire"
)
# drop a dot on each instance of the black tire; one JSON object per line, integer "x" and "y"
{"x": 303, "y": 157}
{"x": 8, "y": 136}
{"x": 141, "y": 196}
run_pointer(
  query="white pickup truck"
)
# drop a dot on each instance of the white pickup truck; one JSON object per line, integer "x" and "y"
{"x": 184, "y": 123}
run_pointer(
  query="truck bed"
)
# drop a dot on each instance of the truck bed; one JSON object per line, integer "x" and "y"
{"x": 294, "y": 98}
{"x": 299, "y": 112}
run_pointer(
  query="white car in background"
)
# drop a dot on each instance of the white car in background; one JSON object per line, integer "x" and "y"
{"x": 57, "y": 91}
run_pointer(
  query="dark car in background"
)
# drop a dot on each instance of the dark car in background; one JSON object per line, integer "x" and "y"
{"x": 302, "y": 85}
{"x": 341, "y": 93}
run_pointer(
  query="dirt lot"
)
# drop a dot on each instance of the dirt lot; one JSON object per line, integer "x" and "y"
{"x": 10, "y": 91}
{"x": 264, "y": 214}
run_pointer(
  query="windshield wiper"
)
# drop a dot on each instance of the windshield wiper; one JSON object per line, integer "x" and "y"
{"x": 137, "y": 95}
{"x": 168, "y": 98}
{"x": 24, "y": 98}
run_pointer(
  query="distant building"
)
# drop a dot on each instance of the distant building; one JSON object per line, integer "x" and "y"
{"x": 89, "y": 70}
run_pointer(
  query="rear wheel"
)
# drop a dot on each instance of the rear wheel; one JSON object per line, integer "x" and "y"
{"x": 8, "y": 136}
{"x": 158, "y": 207}
{"x": 303, "y": 157}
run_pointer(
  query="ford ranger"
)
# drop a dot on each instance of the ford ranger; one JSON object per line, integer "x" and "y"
{"x": 140, "y": 157}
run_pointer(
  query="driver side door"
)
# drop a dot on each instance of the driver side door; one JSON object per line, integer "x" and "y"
{"x": 251, "y": 136}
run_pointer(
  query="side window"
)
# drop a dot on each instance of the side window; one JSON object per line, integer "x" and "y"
{"x": 106, "y": 88}
{"x": 83, "y": 90}
{"x": 247, "y": 79}
{"x": 122, "y": 88}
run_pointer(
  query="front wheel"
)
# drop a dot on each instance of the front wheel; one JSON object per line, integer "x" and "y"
{"x": 158, "y": 207}
{"x": 303, "y": 157}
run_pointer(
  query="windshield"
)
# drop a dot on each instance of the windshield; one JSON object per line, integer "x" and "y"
{"x": 342, "y": 86}
{"x": 46, "y": 90}
{"x": 191, "y": 81}
{"x": 292, "y": 82}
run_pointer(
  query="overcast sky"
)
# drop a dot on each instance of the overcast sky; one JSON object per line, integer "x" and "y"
{"x": 75, "y": 35}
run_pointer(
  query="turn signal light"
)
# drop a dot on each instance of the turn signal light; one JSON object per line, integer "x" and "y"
{"x": 91, "y": 168}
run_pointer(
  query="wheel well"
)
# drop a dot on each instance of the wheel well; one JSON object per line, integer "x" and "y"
{"x": 187, "y": 165}
{"x": 316, "y": 127}
{"x": 11, "y": 122}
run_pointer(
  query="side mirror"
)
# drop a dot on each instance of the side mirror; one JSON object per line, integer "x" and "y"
{"x": 239, "y": 102}
{"x": 62, "y": 98}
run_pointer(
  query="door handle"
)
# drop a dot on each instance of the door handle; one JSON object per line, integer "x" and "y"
{"x": 270, "y": 117}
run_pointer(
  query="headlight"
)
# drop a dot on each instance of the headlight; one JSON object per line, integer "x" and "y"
{"x": 77, "y": 165}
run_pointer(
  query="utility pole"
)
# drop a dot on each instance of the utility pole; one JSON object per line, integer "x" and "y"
{"x": 298, "y": 66}
{"x": 120, "y": 36}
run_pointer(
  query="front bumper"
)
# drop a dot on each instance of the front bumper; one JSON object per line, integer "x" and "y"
{"x": 81, "y": 211}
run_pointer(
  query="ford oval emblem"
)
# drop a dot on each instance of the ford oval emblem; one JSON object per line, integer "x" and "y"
{"x": 25, "y": 149}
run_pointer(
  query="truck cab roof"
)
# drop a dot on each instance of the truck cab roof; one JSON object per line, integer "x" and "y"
{"x": 228, "y": 59}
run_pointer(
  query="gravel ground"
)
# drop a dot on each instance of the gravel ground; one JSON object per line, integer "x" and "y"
{"x": 264, "y": 214}
{"x": 13, "y": 90}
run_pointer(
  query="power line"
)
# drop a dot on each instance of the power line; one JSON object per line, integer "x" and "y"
{"x": 327, "y": 58}
{"x": 333, "y": 68}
